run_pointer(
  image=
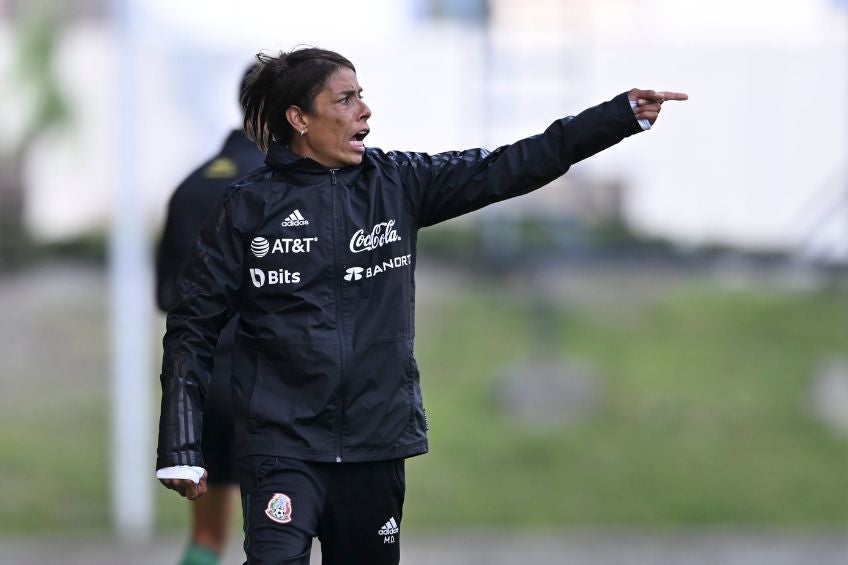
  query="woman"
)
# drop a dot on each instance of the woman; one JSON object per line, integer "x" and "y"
{"x": 316, "y": 254}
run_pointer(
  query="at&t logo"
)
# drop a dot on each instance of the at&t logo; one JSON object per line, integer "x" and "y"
{"x": 261, "y": 246}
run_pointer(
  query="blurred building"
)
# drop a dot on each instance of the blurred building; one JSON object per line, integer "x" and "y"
{"x": 756, "y": 158}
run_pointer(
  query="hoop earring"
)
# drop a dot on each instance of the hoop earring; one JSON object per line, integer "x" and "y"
{"x": 303, "y": 132}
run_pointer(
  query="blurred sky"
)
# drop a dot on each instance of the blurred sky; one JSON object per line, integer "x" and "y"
{"x": 755, "y": 158}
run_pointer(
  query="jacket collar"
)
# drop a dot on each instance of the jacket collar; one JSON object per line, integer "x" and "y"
{"x": 280, "y": 157}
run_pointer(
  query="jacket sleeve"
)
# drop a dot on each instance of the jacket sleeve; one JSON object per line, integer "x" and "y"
{"x": 207, "y": 286}
{"x": 181, "y": 227}
{"x": 450, "y": 184}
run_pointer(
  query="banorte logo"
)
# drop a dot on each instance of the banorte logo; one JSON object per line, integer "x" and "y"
{"x": 380, "y": 235}
{"x": 353, "y": 274}
{"x": 359, "y": 273}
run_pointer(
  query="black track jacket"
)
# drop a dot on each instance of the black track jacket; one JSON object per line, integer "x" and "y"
{"x": 319, "y": 264}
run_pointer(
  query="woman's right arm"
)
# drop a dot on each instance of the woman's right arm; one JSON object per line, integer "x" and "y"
{"x": 208, "y": 286}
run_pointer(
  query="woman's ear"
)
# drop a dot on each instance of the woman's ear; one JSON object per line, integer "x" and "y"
{"x": 297, "y": 119}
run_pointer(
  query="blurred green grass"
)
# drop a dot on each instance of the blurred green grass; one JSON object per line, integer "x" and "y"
{"x": 705, "y": 417}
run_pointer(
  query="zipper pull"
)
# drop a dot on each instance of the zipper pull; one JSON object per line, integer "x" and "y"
{"x": 333, "y": 173}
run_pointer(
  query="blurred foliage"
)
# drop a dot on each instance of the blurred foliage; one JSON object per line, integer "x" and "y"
{"x": 529, "y": 237}
{"x": 38, "y": 27}
{"x": 91, "y": 247}
{"x": 86, "y": 248}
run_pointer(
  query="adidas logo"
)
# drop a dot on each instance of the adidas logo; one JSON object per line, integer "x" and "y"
{"x": 389, "y": 528}
{"x": 295, "y": 219}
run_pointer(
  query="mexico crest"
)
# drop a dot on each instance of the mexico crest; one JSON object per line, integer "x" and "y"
{"x": 279, "y": 508}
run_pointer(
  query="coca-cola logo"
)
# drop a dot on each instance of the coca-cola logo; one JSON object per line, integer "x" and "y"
{"x": 380, "y": 235}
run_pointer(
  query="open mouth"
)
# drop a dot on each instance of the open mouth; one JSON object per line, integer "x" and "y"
{"x": 357, "y": 141}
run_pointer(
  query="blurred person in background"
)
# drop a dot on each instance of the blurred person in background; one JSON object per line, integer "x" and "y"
{"x": 191, "y": 202}
{"x": 315, "y": 255}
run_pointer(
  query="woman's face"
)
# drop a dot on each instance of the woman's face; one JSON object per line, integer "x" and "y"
{"x": 337, "y": 125}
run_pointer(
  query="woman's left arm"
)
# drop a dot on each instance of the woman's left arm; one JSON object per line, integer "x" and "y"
{"x": 450, "y": 184}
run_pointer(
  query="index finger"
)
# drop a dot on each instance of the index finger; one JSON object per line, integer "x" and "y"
{"x": 674, "y": 95}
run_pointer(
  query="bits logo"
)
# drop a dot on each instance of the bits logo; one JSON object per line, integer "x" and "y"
{"x": 280, "y": 276}
{"x": 260, "y": 246}
{"x": 258, "y": 277}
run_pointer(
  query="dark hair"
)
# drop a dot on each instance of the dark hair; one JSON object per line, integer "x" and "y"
{"x": 244, "y": 76}
{"x": 277, "y": 82}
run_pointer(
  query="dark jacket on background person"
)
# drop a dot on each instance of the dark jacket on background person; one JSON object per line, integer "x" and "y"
{"x": 191, "y": 202}
{"x": 319, "y": 265}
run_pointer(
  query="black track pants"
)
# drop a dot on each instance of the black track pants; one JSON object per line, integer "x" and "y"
{"x": 353, "y": 508}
